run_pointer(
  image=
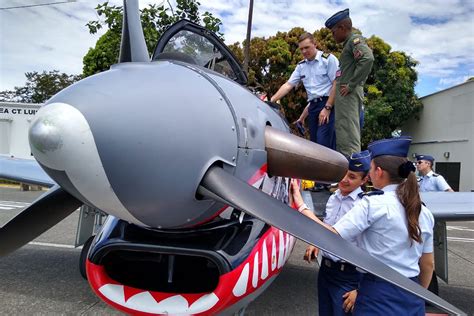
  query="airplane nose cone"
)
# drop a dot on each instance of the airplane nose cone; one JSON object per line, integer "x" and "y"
{"x": 62, "y": 142}
{"x": 45, "y": 136}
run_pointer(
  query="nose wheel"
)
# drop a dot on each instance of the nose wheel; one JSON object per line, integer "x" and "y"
{"x": 83, "y": 257}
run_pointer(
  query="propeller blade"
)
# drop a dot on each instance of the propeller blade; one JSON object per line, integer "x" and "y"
{"x": 295, "y": 157}
{"x": 133, "y": 46}
{"x": 48, "y": 210}
{"x": 256, "y": 203}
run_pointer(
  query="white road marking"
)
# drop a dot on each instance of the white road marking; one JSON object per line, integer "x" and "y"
{"x": 461, "y": 228}
{"x": 48, "y": 244}
{"x": 10, "y": 205}
{"x": 460, "y": 239}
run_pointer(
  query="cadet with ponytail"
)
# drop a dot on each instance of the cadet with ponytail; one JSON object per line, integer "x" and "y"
{"x": 393, "y": 226}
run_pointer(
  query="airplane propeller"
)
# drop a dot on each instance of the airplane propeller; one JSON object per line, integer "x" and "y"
{"x": 41, "y": 215}
{"x": 242, "y": 196}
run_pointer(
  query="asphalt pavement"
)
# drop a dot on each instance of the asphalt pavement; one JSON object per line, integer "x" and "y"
{"x": 42, "y": 278}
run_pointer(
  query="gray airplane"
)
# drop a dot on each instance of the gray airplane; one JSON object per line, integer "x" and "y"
{"x": 192, "y": 169}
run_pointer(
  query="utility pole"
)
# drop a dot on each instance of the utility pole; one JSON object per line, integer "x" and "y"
{"x": 247, "y": 42}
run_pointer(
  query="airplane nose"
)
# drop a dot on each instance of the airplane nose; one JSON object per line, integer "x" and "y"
{"x": 45, "y": 136}
{"x": 63, "y": 144}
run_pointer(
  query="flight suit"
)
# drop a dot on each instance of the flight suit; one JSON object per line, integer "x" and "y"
{"x": 355, "y": 65}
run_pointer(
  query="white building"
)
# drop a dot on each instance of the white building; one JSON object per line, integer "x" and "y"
{"x": 445, "y": 130}
{"x": 15, "y": 119}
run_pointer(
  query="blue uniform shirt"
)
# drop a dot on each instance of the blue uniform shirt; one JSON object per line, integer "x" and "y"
{"x": 317, "y": 75}
{"x": 381, "y": 223}
{"x": 433, "y": 182}
{"x": 336, "y": 207}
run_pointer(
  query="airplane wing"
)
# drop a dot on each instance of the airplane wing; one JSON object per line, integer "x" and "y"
{"x": 24, "y": 170}
{"x": 450, "y": 206}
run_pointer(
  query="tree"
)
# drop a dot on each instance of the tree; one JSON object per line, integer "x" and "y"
{"x": 155, "y": 20}
{"x": 39, "y": 87}
{"x": 390, "y": 96}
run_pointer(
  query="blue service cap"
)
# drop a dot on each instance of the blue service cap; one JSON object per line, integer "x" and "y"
{"x": 360, "y": 162}
{"x": 397, "y": 146}
{"x": 339, "y": 16}
{"x": 425, "y": 157}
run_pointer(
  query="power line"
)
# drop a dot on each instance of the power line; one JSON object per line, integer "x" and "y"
{"x": 36, "y": 5}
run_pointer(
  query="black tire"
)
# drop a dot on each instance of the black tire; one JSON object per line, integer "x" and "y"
{"x": 83, "y": 257}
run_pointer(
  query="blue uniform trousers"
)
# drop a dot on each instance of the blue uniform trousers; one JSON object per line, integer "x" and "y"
{"x": 325, "y": 134}
{"x": 333, "y": 284}
{"x": 379, "y": 297}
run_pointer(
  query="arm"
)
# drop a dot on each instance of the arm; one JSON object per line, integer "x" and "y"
{"x": 284, "y": 89}
{"x": 303, "y": 115}
{"x": 324, "y": 114}
{"x": 443, "y": 185}
{"x": 364, "y": 60}
{"x": 295, "y": 192}
{"x": 426, "y": 269}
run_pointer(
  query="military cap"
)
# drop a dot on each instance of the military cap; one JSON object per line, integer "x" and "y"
{"x": 397, "y": 146}
{"x": 425, "y": 157}
{"x": 339, "y": 16}
{"x": 360, "y": 161}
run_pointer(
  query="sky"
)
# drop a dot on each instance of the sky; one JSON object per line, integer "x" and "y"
{"x": 439, "y": 34}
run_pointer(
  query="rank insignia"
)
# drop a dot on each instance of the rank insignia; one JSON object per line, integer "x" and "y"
{"x": 356, "y": 41}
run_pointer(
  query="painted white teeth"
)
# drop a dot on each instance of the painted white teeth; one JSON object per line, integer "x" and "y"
{"x": 281, "y": 248}
{"x": 113, "y": 292}
{"x": 264, "y": 261}
{"x": 241, "y": 286}
{"x": 274, "y": 259}
{"x": 145, "y": 302}
{"x": 255, "y": 270}
{"x": 204, "y": 303}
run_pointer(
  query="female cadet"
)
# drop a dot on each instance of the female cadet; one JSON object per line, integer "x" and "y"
{"x": 394, "y": 227}
{"x": 336, "y": 279}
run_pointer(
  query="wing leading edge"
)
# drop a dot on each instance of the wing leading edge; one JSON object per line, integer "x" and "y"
{"x": 24, "y": 170}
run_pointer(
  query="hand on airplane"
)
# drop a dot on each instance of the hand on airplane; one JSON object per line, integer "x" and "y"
{"x": 295, "y": 192}
{"x": 311, "y": 253}
{"x": 349, "y": 301}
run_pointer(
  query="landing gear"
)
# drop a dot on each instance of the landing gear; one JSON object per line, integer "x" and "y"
{"x": 83, "y": 257}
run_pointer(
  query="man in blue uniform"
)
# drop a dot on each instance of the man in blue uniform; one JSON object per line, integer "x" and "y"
{"x": 430, "y": 181}
{"x": 317, "y": 72}
{"x": 338, "y": 280}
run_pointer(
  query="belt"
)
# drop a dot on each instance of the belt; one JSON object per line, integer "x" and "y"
{"x": 372, "y": 277}
{"x": 340, "y": 266}
{"x": 318, "y": 99}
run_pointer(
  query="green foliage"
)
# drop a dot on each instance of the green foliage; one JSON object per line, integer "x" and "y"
{"x": 39, "y": 87}
{"x": 390, "y": 97}
{"x": 155, "y": 20}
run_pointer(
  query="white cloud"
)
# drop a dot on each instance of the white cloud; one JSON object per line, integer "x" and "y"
{"x": 55, "y": 37}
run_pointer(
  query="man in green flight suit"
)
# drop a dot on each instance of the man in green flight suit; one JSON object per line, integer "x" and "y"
{"x": 355, "y": 64}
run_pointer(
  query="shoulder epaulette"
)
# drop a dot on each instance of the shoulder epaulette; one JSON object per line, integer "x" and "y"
{"x": 435, "y": 175}
{"x": 356, "y": 40}
{"x": 325, "y": 55}
{"x": 370, "y": 193}
{"x": 302, "y": 62}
